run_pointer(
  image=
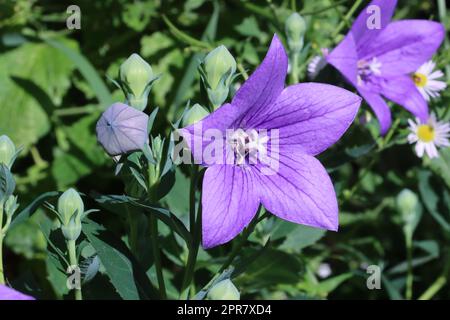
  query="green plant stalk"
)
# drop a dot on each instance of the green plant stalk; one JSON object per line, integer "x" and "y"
{"x": 157, "y": 256}
{"x": 245, "y": 234}
{"x": 409, "y": 276}
{"x": 153, "y": 177}
{"x": 294, "y": 66}
{"x": 346, "y": 19}
{"x": 133, "y": 224}
{"x": 196, "y": 229}
{"x": 434, "y": 288}
{"x": 194, "y": 174}
{"x": 71, "y": 248}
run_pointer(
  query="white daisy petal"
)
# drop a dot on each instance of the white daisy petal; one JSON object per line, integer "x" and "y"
{"x": 426, "y": 80}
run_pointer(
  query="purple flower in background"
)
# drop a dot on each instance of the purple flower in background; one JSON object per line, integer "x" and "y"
{"x": 308, "y": 118}
{"x": 122, "y": 129}
{"x": 7, "y": 293}
{"x": 379, "y": 60}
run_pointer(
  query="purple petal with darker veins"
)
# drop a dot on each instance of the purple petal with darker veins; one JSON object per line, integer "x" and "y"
{"x": 364, "y": 30}
{"x": 379, "y": 107}
{"x": 299, "y": 190}
{"x": 265, "y": 84}
{"x": 405, "y": 45}
{"x": 310, "y": 116}
{"x": 7, "y": 293}
{"x": 404, "y": 92}
{"x": 229, "y": 203}
{"x": 122, "y": 129}
{"x": 345, "y": 59}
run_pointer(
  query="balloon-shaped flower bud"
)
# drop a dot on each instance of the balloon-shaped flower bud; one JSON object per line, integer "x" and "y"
{"x": 295, "y": 28}
{"x": 407, "y": 202}
{"x": 7, "y": 151}
{"x": 218, "y": 71}
{"x": 136, "y": 79}
{"x": 122, "y": 129}
{"x": 194, "y": 114}
{"x": 70, "y": 210}
{"x": 224, "y": 290}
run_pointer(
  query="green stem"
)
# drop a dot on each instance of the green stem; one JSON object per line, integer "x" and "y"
{"x": 196, "y": 237}
{"x": 71, "y": 248}
{"x": 157, "y": 257}
{"x": 294, "y": 66}
{"x": 245, "y": 234}
{"x": 133, "y": 224}
{"x": 434, "y": 288}
{"x": 409, "y": 276}
{"x": 192, "y": 189}
{"x": 242, "y": 70}
{"x": 346, "y": 19}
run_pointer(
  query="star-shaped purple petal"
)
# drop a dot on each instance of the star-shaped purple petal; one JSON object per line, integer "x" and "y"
{"x": 301, "y": 120}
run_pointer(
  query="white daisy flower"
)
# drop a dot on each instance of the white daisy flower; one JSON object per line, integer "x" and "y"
{"x": 429, "y": 136}
{"x": 317, "y": 63}
{"x": 426, "y": 80}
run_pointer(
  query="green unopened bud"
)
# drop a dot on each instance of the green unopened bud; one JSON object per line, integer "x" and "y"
{"x": 195, "y": 114}
{"x": 407, "y": 202}
{"x": 224, "y": 290}
{"x": 7, "y": 151}
{"x": 295, "y": 28}
{"x": 70, "y": 204}
{"x": 410, "y": 210}
{"x": 72, "y": 229}
{"x": 136, "y": 78}
{"x": 218, "y": 71}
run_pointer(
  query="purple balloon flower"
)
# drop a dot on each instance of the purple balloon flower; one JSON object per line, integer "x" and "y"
{"x": 307, "y": 119}
{"x": 122, "y": 129}
{"x": 7, "y": 293}
{"x": 378, "y": 57}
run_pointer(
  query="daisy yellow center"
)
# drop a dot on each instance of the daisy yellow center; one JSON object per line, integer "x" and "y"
{"x": 420, "y": 79}
{"x": 425, "y": 133}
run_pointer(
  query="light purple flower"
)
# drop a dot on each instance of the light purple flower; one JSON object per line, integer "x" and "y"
{"x": 380, "y": 62}
{"x": 122, "y": 129}
{"x": 7, "y": 293}
{"x": 308, "y": 117}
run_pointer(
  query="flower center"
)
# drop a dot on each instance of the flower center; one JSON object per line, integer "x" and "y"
{"x": 246, "y": 145}
{"x": 368, "y": 68}
{"x": 420, "y": 79}
{"x": 425, "y": 133}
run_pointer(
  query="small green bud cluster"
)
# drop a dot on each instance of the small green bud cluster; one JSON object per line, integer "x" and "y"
{"x": 410, "y": 210}
{"x": 218, "y": 70}
{"x": 136, "y": 80}
{"x": 295, "y": 28}
{"x": 70, "y": 212}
